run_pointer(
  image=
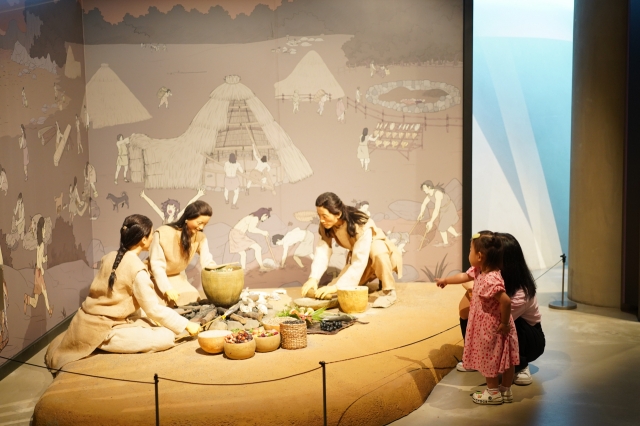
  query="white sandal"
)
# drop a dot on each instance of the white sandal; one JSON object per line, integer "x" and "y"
{"x": 487, "y": 398}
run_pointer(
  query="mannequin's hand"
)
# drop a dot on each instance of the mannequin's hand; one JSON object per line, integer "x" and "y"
{"x": 326, "y": 292}
{"x": 172, "y": 296}
{"x": 311, "y": 284}
{"x": 193, "y": 328}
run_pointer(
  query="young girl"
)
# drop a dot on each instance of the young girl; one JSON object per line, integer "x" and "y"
{"x": 491, "y": 344}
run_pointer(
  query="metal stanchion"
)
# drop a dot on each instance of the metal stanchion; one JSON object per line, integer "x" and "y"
{"x": 324, "y": 392}
{"x": 155, "y": 379}
{"x": 563, "y": 304}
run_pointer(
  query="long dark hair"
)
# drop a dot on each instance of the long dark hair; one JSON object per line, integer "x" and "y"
{"x": 261, "y": 212}
{"x": 490, "y": 245}
{"x": 515, "y": 272}
{"x": 40, "y": 231}
{"x": 365, "y": 132}
{"x": 430, "y": 185}
{"x": 192, "y": 211}
{"x": 133, "y": 229}
{"x": 349, "y": 214}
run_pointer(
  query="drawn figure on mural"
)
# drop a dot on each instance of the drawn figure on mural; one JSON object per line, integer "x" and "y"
{"x": 25, "y": 150}
{"x": 323, "y": 98}
{"x": 76, "y": 205}
{"x": 55, "y": 91}
{"x": 444, "y": 209}
{"x": 173, "y": 247}
{"x": 78, "y": 139}
{"x": 4, "y": 308}
{"x": 372, "y": 67}
{"x": 363, "y": 148}
{"x": 123, "y": 157}
{"x": 371, "y": 254}
{"x": 17, "y": 225}
{"x": 358, "y": 95}
{"x": 231, "y": 179}
{"x": 260, "y": 175}
{"x": 4, "y": 183}
{"x": 240, "y": 243}
{"x": 39, "y": 286}
{"x": 363, "y": 206}
{"x": 163, "y": 95}
{"x": 30, "y": 241}
{"x": 109, "y": 319}
{"x": 304, "y": 238}
{"x": 400, "y": 239}
{"x": 296, "y": 101}
{"x": 90, "y": 179}
{"x": 25, "y": 103}
{"x": 59, "y": 135}
{"x": 340, "y": 110}
{"x": 86, "y": 117}
{"x": 169, "y": 211}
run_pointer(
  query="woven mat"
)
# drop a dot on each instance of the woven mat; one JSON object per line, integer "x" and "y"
{"x": 315, "y": 327}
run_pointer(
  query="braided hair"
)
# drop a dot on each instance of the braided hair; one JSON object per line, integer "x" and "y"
{"x": 490, "y": 245}
{"x": 192, "y": 211}
{"x": 134, "y": 228}
{"x": 349, "y": 214}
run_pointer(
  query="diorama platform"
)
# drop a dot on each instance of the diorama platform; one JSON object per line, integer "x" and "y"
{"x": 368, "y": 381}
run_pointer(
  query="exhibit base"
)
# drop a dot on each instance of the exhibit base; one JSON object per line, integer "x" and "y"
{"x": 377, "y": 371}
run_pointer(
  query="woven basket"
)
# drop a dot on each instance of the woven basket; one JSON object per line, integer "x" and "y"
{"x": 294, "y": 334}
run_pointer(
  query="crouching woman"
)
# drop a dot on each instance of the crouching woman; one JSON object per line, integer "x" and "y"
{"x": 110, "y": 318}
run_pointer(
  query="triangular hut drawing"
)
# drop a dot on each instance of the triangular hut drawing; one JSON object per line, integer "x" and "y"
{"x": 72, "y": 68}
{"x": 109, "y": 101}
{"x": 233, "y": 121}
{"x": 308, "y": 77}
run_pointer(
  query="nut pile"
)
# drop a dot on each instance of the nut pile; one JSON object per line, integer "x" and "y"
{"x": 240, "y": 337}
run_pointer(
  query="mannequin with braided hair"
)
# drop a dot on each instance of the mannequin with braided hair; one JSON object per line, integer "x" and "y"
{"x": 371, "y": 255}
{"x": 115, "y": 316}
{"x": 173, "y": 248}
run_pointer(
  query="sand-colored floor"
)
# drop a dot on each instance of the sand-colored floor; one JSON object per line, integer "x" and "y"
{"x": 367, "y": 390}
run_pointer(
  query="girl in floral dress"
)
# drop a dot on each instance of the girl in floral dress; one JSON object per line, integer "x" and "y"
{"x": 491, "y": 344}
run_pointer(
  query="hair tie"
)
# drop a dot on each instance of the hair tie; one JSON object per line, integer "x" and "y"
{"x": 124, "y": 227}
{"x": 113, "y": 270}
{"x": 474, "y": 236}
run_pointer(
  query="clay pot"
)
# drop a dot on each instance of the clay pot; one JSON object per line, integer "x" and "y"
{"x": 244, "y": 350}
{"x": 267, "y": 344}
{"x": 212, "y": 341}
{"x": 223, "y": 288}
{"x": 353, "y": 300}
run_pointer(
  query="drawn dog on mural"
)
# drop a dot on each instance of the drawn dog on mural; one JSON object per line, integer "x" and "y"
{"x": 118, "y": 201}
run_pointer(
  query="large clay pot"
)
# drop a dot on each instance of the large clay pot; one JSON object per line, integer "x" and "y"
{"x": 212, "y": 341}
{"x": 223, "y": 288}
{"x": 353, "y": 300}
{"x": 240, "y": 350}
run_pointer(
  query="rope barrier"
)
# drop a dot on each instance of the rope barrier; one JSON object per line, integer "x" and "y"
{"x": 536, "y": 279}
{"x": 239, "y": 384}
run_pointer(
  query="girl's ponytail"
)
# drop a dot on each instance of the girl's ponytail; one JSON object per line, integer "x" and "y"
{"x": 133, "y": 230}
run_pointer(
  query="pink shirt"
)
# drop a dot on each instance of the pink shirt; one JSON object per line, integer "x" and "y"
{"x": 527, "y": 309}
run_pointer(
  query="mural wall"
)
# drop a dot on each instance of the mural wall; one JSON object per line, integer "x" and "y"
{"x": 250, "y": 106}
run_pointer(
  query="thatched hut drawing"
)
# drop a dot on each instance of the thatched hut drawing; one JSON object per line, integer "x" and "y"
{"x": 109, "y": 101}
{"x": 234, "y": 121}
{"x": 308, "y": 77}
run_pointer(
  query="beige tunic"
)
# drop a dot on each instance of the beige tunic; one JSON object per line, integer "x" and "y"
{"x": 105, "y": 310}
{"x": 371, "y": 255}
{"x": 168, "y": 265}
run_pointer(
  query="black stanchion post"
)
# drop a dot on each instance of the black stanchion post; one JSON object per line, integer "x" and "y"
{"x": 324, "y": 392}
{"x": 565, "y": 305}
{"x": 155, "y": 379}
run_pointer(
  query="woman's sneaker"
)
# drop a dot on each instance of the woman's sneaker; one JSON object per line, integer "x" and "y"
{"x": 523, "y": 377}
{"x": 487, "y": 398}
{"x": 460, "y": 367}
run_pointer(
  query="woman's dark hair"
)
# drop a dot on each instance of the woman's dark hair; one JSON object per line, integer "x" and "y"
{"x": 349, "y": 214}
{"x": 232, "y": 158}
{"x": 134, "y": 228}
{"x": 490, "y": 245}
{"x": 515, "y": 272}
{"x": 40, "y": 230}
{"x": 262, "y": 211}
{"x": 192, "y": 211}
{"x": 170, "y": 202}
{"x": 118, "y": 138}
{"x": 430, "y": 185}
{"x": 20, "y": 196}
{"x": 264, "y": 159}
{"x": 365, "y": 132}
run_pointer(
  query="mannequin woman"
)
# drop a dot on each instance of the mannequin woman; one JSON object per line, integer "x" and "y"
{"x": 371, "y": 255}
{"x": 109, "y": 318}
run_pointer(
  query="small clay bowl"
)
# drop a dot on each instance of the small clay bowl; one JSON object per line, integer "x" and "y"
{"x": 244, "y": 350}
{"x": 267, "y": 344}
{"x": 212, "y": 341}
